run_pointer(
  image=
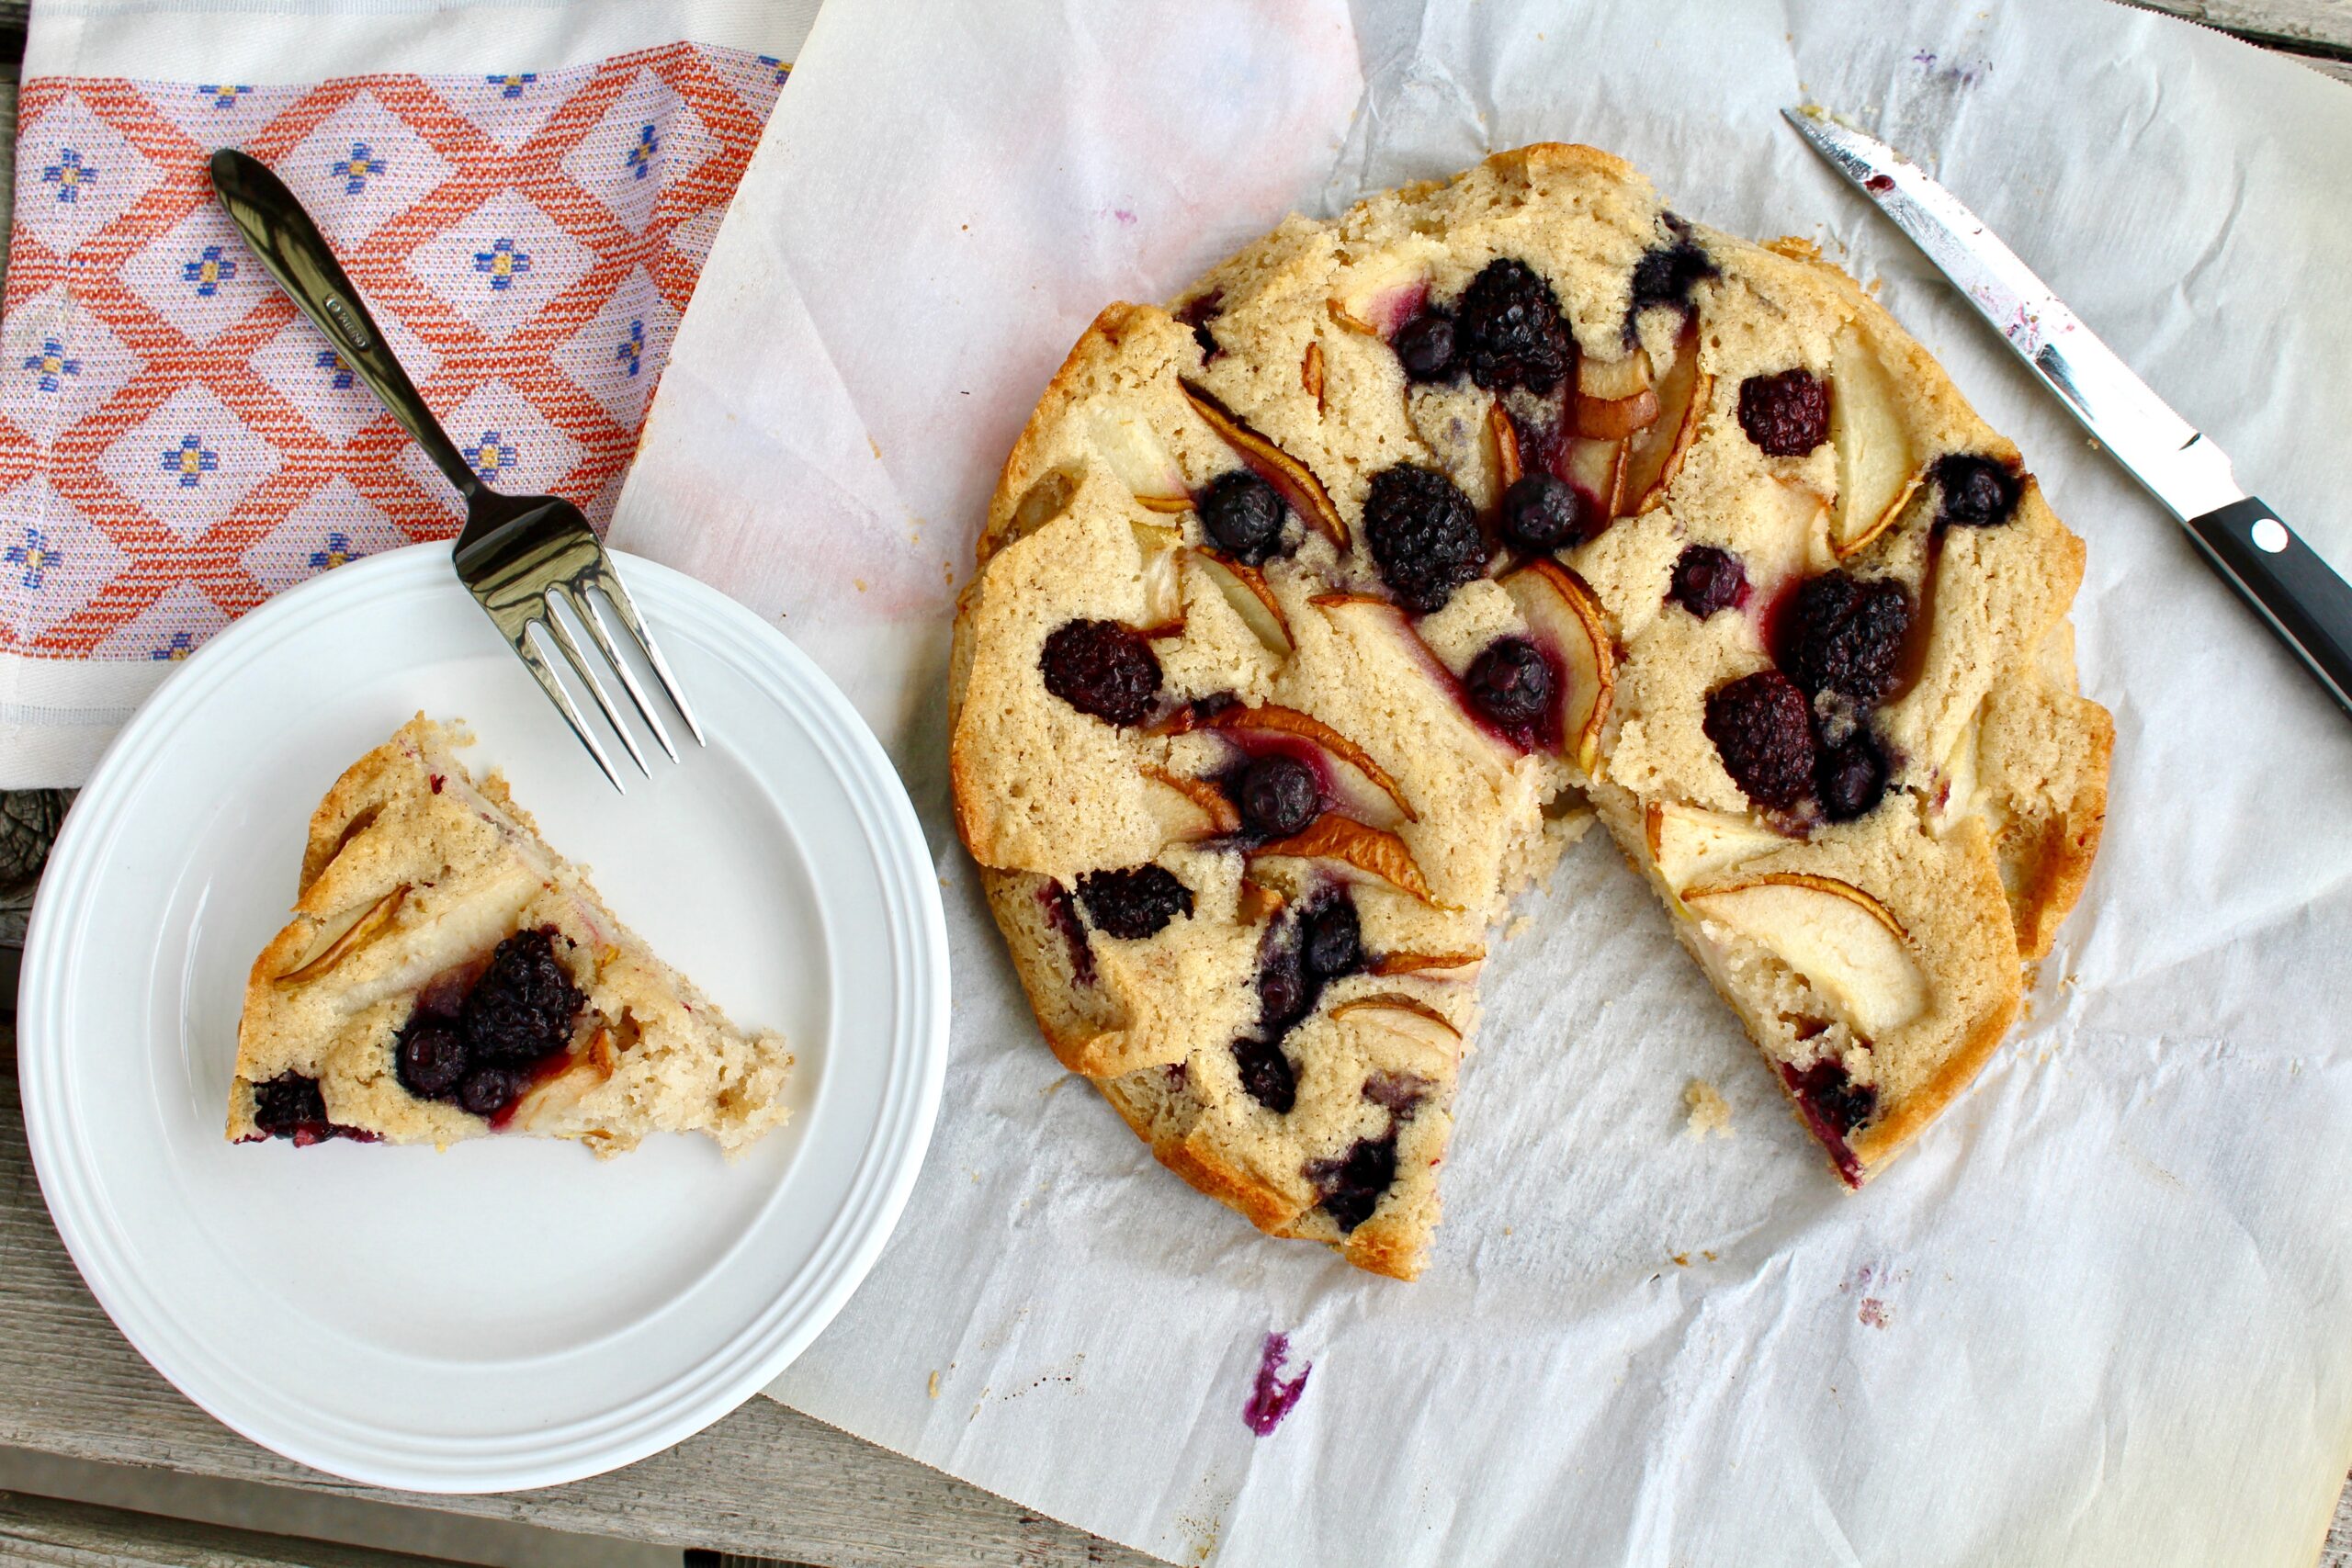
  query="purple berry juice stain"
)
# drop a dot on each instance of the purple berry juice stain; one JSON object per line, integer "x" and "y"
{"x": 1272, "y": 1396}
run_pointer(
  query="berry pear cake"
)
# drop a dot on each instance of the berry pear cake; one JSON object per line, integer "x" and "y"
{"x": 446, "y": 975}
{"x": 1315, "y": 611}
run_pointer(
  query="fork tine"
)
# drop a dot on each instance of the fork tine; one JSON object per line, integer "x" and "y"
{"x": 608, "y": 582}
{"x": 541, "y": 672}
{"x": 593, "y": 619}
{"x": 580, "y": 667}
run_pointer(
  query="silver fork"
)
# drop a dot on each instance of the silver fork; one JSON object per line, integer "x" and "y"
{"x": 519, "y": 554}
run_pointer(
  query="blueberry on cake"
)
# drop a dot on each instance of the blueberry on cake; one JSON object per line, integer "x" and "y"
{"x": 446, "y": 975}
{"x": 1317, "y": 612}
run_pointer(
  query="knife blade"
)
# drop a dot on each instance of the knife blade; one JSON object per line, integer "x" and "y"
{"x": 2305, "y": 604}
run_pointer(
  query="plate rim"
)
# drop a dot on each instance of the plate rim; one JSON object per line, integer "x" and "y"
{"x": 759, "y": 1346}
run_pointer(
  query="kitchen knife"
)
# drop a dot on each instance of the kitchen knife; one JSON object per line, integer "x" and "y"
{"x": 2307, "y": 604}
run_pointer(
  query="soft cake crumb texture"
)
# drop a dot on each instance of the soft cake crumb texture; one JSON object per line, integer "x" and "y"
{"x": 1709, "y": 1112}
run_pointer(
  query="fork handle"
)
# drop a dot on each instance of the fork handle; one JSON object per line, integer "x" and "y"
{"x": 291, "y": 246}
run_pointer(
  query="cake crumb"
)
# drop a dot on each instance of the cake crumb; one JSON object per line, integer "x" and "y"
{"x": 1710, "y": 1113}
{"x": 1519, "y": 928}
{"x": 934, "y": 1382}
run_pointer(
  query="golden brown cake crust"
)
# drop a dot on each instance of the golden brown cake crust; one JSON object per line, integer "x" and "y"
{"x": 1886, "y": 952}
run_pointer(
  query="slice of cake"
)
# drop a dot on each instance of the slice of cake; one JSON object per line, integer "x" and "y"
{"x": 447, "y": 975}
{"x": 1315, "y": 611}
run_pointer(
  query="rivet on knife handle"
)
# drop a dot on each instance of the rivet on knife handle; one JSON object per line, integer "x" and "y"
{"x": 2287, "y": 583}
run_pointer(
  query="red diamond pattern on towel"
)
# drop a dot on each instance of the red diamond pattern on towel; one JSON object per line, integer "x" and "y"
{"x": 500, "y": 265}
{"x": 512, "y": 109}
{"x": 189, "y": 462}
{"x": 336, "y": 524}
{"x": 361, "y": 168}
{"x": 199, "y": 277}
{"x": 80, "y": 175}
{"x": 167, "y": 630}
{"x": 315, "y": 381}
{"x": 506, "y": 439}
{"x": 47, "y": 387}
{"x": 179, "y": 444}
{"x": 647, "y": 140}
{"x": 223, "y": 114}
{"x": 51, "y": 559}
{"x": 613, "y": 356}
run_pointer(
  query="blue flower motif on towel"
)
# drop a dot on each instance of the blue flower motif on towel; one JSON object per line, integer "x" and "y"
{"x": 31, "y": 556}
{"x": 337, "y": 551}
{"x": 353, "y": 168}
{"x": 209, "y": 271}
{"x": 511, "y": 85}
{"x": 191, "y": 461}
{"x": 339, "y": 375}
{"x": 52, "y": 363}
{"x": 490, "y": 455}
{"x": 631, "y": 352}
{"x": 641, "y": 154}
{"x": 223, "y": 94}
{"x": 503, "y": 262}
{"x": 783, "y": 68}
{"x": 69, "y": 174}
{"x": 176, "y": 648}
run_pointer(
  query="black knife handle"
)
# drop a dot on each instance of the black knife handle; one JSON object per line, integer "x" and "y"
{"x": 2306, "y": 603}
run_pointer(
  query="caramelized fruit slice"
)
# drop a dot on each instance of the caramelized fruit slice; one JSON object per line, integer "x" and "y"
{"x": 1245, "y": 590}
{"x": 1689, "y": 842}
{"x": 357, "y": 935}
{"x": 1125, "y": 442}
{"x": 1363, "y": 786}
{"x": 1382, "y": 294}
{"x": 1845, "y": 943}
{"x": 1654, "y": 454}
{"x": 1615, "y": 397}
{"x": 1877, "y": 466}
{"x": 1310, "y": 374}
{"x": 1398, "y": 624}
{"x": 1256, "y": 903}
{"x": 1568, "y": 624}
{"x": 1374, "y": 852}
{"x": 1292, "y": 478}
{"x": 1427, "y": 963}
{"x": 1597, "y": 468}
{"x": 1421, "y": 1027}
{"x": 1198, "y": 810}
{"x": 1163, "y": 587}
{"x": 1505, "y": 435}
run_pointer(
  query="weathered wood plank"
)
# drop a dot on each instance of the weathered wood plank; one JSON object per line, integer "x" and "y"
{"x": 765, "y": 1482}
{"x": 2316, "y": 26}
{"x": 41, "y": 1532}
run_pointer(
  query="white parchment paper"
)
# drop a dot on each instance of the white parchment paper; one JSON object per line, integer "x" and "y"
{"x": 2099, "y": 1315}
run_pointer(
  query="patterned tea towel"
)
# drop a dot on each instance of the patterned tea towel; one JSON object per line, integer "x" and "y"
{"x": 524, "y": 190}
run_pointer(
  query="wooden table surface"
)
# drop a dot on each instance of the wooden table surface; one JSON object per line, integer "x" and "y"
{"x": 765, "y": 1482}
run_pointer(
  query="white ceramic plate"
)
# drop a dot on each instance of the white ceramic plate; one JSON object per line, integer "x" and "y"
{"x": 511, "y": 1313}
